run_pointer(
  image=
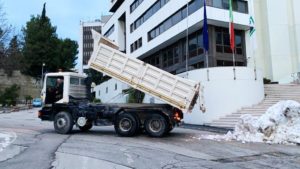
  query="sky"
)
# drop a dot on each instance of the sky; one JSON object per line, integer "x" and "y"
{"x": 64, "y": 14}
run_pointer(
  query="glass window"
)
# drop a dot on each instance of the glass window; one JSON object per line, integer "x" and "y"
{"x": 99, "y": 93}
{"x": 157, "y": 31}
{"x": 219, "y": 38}
{"x": 226, "y": 39}
{"x": 193, "y": 43}
{"x": 74, "y": 81}
{"x": 219, "y": 49}
{"x": 184, "y": 12}
{"x": 155, "y": 7}
{"x": 168, "y": 24}
{"x": 170, "y": 57}
{"x": 147, "y": 15}
{"x": 176, "y": 18}
{"x": 176, "y": 54}
{"x": 82, "y": 82}
{"x": 116, "y": 86}
{"x": 106, "y": 89}
{"x": 161, "y": 28}
{"x": 217, "y": 3}
{"x": 238, "y": 40}
{"x": 194, "y": 6}
{"x": 225, "y": 4}
{"x": 242, "y": 7}
{"x": 200, "y": 40}
{"x": 165, "y": 59}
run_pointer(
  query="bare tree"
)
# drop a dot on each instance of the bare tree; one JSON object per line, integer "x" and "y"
{"x": 5, "y": 28}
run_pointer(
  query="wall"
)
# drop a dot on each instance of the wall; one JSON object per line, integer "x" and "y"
{"x": 222, "y": 95}
{"x": 112, "y": 95}
{"x": 28, "y": 85}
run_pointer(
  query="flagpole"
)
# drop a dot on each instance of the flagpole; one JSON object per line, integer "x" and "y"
{"x": 233, "y": 58}
{"x": 205, "y": 38}
{"x": 187, "y": 41}
{"x": 207, "y": 69}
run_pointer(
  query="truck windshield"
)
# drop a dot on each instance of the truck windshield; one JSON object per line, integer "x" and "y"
{"x": 54, "y": 89}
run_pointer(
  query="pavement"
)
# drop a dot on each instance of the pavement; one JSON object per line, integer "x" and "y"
{"x": 27, "y": 142}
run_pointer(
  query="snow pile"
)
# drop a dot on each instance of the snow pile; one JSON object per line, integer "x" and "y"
{"x": 6, "y": 138}
{"x": 279, "y": 125}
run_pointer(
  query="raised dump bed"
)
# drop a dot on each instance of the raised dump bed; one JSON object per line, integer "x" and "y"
{"x": 174, "y": 90}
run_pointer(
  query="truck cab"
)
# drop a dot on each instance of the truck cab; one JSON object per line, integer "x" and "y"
{"x": 59, "y": 87}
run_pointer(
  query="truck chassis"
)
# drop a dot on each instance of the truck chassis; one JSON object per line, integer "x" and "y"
{"x": 128, "y": 119}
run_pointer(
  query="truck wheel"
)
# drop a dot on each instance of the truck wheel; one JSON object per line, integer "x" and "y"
{"x": 86, "y": 127}
{"x": 126, "y": 125}
{"x": 156, "y": 125}
{"x": 63, "y": 123}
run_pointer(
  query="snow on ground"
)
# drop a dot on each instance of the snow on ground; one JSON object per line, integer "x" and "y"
{"x": 279, "y": 125}
{"x": 6, "y": 138}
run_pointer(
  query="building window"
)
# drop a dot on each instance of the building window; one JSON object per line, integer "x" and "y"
{"x": 110, "y": 31}
{"x": 99, "y": 93}
{"x": 146, "y": 15}
{"x": 223, "y": 41}
{"x": 135, "y": 4}
{"x": 106, "y": 89}
{"x": 194, "y": 5}
{"x": 116, "y": 86}
{"x": 136, "y": 45}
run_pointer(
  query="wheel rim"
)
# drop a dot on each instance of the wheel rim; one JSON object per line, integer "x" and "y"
{"x": 155, "y": 125}
{"x": 61, "y": 122}
{"x": 125, "y": 124}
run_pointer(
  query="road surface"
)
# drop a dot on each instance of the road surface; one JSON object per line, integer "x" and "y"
{"x": 28, "y": 143}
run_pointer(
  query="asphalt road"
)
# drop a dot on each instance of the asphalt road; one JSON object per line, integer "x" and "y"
{"x": 28, "y": 143}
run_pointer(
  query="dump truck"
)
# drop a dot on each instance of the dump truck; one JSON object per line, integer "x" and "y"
{"x": 66, "y": 101}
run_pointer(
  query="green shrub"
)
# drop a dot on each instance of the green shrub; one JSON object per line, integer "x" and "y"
{"x": 96, "y": 100}
{"x": 134, "y": 96}
{"x": 28, "y": 98}
{"x": 9, "y": 96}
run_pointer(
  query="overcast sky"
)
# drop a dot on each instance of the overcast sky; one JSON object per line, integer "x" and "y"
{"x": 65, "y": 14}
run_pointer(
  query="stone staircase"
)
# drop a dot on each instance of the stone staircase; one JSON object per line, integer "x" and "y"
{"x": 273, "y": 94}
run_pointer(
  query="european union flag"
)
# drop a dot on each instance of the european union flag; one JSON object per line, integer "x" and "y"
{"x": 205, "y": 30}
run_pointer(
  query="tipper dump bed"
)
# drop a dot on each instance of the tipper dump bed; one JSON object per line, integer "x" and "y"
{"x": 174, "y": 90}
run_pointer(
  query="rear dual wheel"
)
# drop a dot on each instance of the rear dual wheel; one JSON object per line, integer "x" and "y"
{"x": 126, "y": 125}
{"x": 156, "y": 125}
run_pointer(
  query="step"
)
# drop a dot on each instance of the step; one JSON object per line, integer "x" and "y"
{"x": 274, "y": 94}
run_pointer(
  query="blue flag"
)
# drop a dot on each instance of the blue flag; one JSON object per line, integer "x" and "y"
{"x": 205, "y": 30}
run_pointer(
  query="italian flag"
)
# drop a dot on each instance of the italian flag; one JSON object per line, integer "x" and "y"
{"x": 231, "y": 27}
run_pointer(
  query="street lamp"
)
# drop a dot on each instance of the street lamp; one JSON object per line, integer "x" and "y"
{"x": 43, "y": 65}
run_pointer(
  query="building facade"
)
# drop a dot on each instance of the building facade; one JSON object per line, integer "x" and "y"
{"x": 86, "y": 42}
{"x": 168, "y": 35}
{"x": 278, "y": 39}
{"x": 159, "y": 32}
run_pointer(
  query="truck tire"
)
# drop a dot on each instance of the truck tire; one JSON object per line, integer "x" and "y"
{"x": 63, "y": 123}
{"x": 156, "y": 125}
{"x": 126, "y": 125}
{"x": 86, "y": 127}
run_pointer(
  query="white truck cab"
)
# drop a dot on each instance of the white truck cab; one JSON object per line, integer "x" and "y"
{"x": 58, "y": 87}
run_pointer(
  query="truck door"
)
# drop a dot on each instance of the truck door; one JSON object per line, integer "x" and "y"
{"x": 54, "y": 89}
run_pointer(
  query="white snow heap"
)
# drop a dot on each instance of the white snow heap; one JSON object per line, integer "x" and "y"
{"x": 280, "y": 124}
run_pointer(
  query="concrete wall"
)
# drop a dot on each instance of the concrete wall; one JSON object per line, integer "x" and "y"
{"x": 28, "y": 85}
{"x": 221, "y": 95}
